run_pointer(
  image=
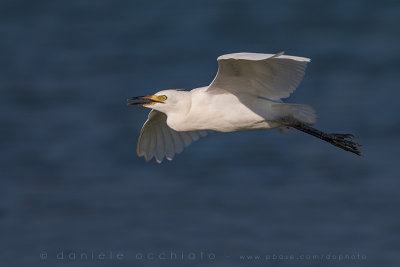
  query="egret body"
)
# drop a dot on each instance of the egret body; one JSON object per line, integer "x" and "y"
{"x": 245, "y": 95}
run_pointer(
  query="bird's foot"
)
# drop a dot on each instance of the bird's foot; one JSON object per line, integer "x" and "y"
{"x": 344, "y": 141}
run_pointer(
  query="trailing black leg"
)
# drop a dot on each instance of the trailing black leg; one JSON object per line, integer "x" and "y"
{"x": 344, "y": 141}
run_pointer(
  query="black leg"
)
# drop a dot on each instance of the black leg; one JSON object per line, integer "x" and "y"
{"x": 344, "y": 141}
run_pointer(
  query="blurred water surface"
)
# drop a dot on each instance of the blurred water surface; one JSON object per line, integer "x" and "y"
{"x": 70, "y": 177}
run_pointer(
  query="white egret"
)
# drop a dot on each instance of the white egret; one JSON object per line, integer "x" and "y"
{"x": 245, "y": 95}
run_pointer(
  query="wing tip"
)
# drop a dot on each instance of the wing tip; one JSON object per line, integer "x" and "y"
{"x": 260, "y": 56}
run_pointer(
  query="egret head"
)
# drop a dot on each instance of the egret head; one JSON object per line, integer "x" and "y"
{"x": 165, "y": 101}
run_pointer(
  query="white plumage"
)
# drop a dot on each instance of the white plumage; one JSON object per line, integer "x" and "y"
{"x": 245, "y": 94}
{"x": 266, "y": 75}
{"x": 158, "y": 139}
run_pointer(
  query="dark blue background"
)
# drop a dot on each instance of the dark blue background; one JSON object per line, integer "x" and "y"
{"x": 70, "y": 177}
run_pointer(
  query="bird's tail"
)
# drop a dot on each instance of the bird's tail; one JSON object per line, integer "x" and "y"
{"x": 301, "y": 112}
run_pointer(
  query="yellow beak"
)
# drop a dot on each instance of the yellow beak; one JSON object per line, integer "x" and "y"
{"x": 150, "y": 100}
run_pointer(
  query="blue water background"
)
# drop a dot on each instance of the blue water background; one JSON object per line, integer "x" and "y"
{"x": 70, "y": 179}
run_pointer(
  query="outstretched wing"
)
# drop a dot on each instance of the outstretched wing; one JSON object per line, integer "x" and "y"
{"x": 158, "y": 140}
{"x": 261, "y": 75}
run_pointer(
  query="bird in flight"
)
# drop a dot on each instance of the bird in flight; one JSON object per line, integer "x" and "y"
{"x": 246, "y": 94}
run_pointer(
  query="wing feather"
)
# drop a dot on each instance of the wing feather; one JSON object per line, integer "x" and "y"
{"x": 186, "y": 138}
{"x": 261, "y": 75}
{"x": 158, "y": 140}
{"x": 178, "y": 142}
{"x": 151, "y": 148}
{"x": 194, "y": 135}
{"x": 159, "y": 149}
{"x": 168, "y": 143}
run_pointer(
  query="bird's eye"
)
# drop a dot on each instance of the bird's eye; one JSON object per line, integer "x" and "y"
{"x": 162, "y": 97}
